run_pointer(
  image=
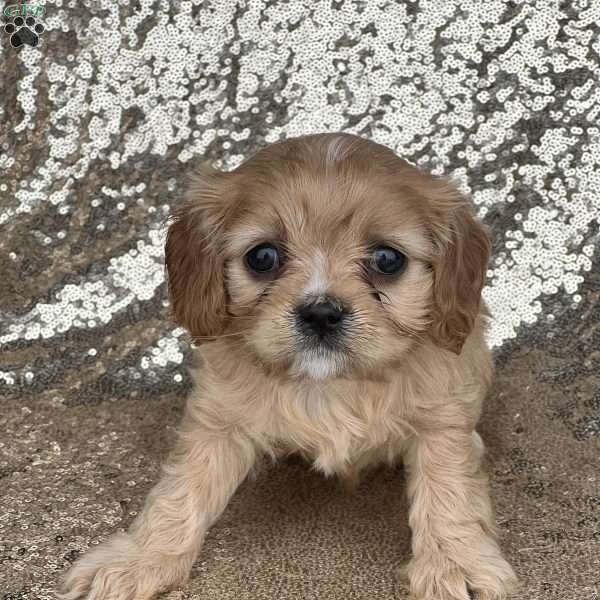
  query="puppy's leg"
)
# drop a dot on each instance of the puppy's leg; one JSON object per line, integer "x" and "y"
{"x": 453, "y": 532}
{"x": 160, "y": 547}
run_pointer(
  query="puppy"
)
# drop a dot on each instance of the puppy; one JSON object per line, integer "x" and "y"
{"x": 335, "y": 292}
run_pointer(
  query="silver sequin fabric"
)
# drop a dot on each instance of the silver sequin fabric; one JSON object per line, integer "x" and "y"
{"x": 99, "y": 123}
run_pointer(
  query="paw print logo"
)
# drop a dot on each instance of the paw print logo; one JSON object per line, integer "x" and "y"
{"x": 24, "y": 31}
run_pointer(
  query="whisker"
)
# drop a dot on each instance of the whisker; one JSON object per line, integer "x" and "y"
{"x": 218, "y": 336}
{"x": 389, "y": 302}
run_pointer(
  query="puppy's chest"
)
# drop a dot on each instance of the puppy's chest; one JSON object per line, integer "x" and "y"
{"x": 339, "y": 425}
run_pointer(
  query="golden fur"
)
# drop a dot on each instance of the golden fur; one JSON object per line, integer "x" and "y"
{"x": 408, "y": 385}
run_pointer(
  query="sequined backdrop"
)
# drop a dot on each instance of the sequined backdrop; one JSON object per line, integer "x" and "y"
{"x": 98, "y": 123}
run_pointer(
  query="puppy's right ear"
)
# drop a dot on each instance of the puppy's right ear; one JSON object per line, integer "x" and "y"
{"x": 193, "y": 252}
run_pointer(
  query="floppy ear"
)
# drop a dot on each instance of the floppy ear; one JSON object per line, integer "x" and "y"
{"x": 193, "y": 253}
{"x": 463, "y": 251}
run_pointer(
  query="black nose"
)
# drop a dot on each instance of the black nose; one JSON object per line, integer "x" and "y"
{"x": 322, "y": 318}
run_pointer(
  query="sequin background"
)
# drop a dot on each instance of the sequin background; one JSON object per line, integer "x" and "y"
{"x": 98, "y": 125}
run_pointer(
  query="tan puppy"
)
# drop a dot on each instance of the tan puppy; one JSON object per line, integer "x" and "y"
{"x": 336, "y": 291}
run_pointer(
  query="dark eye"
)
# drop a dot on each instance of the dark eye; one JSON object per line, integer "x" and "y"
{"x": 388, "y": 261}
{"x": 263, "y": 258}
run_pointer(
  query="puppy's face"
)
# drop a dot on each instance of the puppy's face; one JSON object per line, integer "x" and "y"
{"x": 326, "y": 255}
{"x": 327, "y": 275}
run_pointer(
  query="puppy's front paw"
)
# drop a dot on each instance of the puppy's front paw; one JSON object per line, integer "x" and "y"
{"x": 437, "y": 577}
{"x": 120, "y": 570}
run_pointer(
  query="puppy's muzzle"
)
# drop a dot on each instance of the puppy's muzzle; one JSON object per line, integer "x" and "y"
{"x": 322, "y": 320}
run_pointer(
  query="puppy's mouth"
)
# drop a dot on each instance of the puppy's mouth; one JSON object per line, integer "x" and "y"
{"x": 319, "y": 362}
{"x": 322, "y": 348}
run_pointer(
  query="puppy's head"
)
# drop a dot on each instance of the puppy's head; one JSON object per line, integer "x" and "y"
{"x": 324, "y": 255}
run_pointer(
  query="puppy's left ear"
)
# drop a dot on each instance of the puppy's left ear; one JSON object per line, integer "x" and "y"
{"x": 463, "y": 250}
